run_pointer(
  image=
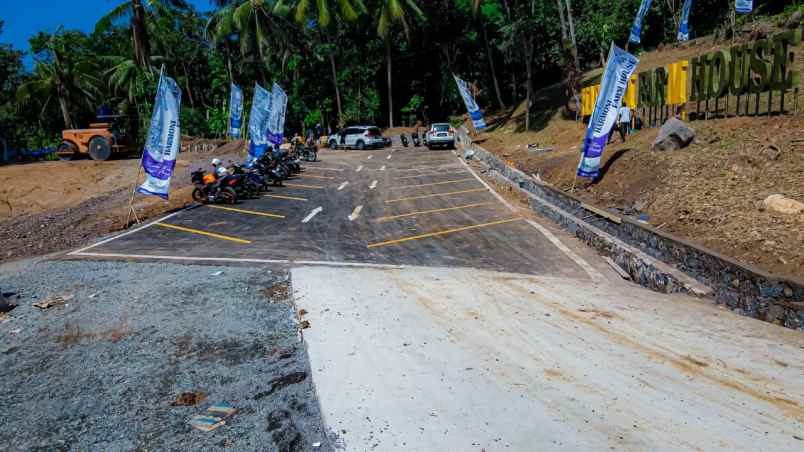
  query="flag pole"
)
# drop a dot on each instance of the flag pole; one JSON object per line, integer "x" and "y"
{"x": 131, "y": 210}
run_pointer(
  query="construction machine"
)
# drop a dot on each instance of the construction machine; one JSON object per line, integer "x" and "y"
{"x": 112, "y": 134}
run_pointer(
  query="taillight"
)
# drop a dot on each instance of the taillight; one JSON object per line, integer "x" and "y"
{"x": 232, "y": 182}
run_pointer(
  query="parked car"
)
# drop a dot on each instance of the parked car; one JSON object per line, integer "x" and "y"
{"x": 357, "y": 137}
{"x": 440, "y": 134}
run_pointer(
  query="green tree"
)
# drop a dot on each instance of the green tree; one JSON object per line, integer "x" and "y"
{"x": 395, "y": 11}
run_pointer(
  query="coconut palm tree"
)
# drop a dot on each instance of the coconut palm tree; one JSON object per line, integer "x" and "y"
{"x": 138, "y": 13}
{"x": 395, "y": 11}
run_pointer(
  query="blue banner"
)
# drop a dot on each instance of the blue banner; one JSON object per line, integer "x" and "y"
{"x": 619, "y": 68}
{"x": 744, "y": 6}
{"x": 258, "y": 122}
{"x": 471, "y": 106}
{"x": 684, "y": 25}
{"x": 235, "y": 111}
{"x": 636, "y": 29}
{"x": 276, "y": 123}
{"x": 163, "y": 141}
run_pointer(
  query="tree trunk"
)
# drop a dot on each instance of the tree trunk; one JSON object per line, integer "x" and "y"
{"x": 189, "y": 86}
{"x": 564, "y": 36}
{"x": 390, "y": 91}
{"x": 65, "y": 111}
{"x": 572, "y": 37}
{"x": 491, "y": 66}
{"x": 140, "y": 35}
{"x": 334, "y": 75}
{"x": 529, "y": 71}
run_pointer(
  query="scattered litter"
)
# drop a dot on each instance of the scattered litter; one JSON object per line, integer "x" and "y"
{"x": 304, "y": 324}
{"x": 302, "y": 312}
{"x": 17, "y": 331}
{"x": 217, "y": 273}
{"x": 189, "y": 398}
{"x": 317, "y": 444}
{"x": 215, "y": 417}
{"x": 623, "y": 274}
{"x": 93, "y": 295}
{"x": 53, "y": 301}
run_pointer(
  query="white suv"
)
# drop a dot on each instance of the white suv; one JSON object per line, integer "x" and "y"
{"x": 357, "y": 137}
{"x": 440, "y": 134}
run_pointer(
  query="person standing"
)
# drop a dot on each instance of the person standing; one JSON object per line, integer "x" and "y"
{"x": 624, "y": 118}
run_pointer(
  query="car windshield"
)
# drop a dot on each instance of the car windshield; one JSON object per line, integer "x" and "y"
{"x": 441, "y": 127}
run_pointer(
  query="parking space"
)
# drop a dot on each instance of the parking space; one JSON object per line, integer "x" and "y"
{"x": 396, "y": 206}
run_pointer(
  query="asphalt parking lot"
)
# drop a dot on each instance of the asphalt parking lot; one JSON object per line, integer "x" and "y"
{"x": 395, "y": 206}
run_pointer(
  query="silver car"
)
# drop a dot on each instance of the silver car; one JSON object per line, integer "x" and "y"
{"x": 440, "y": 134}
{"x": 357, "y": 137}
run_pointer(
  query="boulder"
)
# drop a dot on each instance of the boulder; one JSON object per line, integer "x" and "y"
{"x": 781, "y": 204}
{"x": 674, "y": 134}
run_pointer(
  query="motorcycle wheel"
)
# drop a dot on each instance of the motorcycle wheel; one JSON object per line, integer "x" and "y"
{"x": 199, "y": 196}
{"x": 313, "y": 155}
{"x": 227, "y": 196}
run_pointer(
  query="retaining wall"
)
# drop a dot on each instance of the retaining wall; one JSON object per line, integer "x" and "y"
{"x": 744, "y": 289}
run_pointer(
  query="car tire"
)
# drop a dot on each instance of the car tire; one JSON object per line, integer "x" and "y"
{"x": 66, "y": 151}
{"x": 99, "y": 148}
{"x": 360, "y": 145}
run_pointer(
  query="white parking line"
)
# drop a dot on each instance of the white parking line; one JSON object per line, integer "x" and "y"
{"x": 369, "y": 157}
{"x": 312, "y": 214}
{"x": 355, "y": 213}
{"x": 373, "y": 185}
{"x": 389, "y": 157}
{"x": 343, "y": 185}
{"x": 382, "y": 168}
{"x": 359, "y": 168}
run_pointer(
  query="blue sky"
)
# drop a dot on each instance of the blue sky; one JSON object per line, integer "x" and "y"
{"x": 23, "y": 18}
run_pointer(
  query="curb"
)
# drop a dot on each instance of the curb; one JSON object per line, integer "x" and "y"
{"x": 655, "y": 259}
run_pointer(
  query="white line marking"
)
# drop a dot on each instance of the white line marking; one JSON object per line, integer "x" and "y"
{"x": 382, "y": 168}
{"x": 355, "y": 213}
{"x": 369, "y": 157}
{"x": 312, "y": 214}
{"x": 373, "y": 185}
{"x": 594, "y": 274}
{"x": 389, "y": 157}
{"x": 343, "y": 185}
{"x": 147, "y": 225}
{"x": 359, "y": 168}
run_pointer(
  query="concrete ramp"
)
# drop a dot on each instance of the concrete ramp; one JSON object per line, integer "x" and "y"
{"x": 461, "y": 359}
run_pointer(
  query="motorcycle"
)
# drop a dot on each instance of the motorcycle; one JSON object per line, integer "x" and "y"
{"x": 307, "y": 152}
{"x": 404, "y": 140}
{"x": 208, "y": 190}
{"x": 415, "y": 137}
{"x": 270, "y": 168}
{"x": 253, "y": 179}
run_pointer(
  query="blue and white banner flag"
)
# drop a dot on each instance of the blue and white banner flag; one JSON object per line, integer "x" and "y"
{"x": 619, "y": 68}
{"x": 163, "y": 142}
{"x": 636, "y": 29}
{"x": 471, "y": 105}
{"x": 258, "y": 122}
{"x": 235, "y": 111}
{"x": 276, "y": 125}
{"x": 744, "y": 6}
{"x": 684, "y": 25}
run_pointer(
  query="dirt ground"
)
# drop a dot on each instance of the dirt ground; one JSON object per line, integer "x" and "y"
{"x": 50, "y": 206}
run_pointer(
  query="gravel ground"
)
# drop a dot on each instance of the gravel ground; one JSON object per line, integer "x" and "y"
{"x": 100, "y": 372}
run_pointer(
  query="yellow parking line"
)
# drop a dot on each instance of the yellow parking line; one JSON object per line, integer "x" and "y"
{"x": 323, "y": 168}
{"x": 434, "y": 183}
{"x": 318, "y": 187}
{"x": 423, "y": 212}
{"x": 444, "y": 232}
{"x": 428, "y": 174}
{"x": 291, "y": 198}
{"x": 200, "y": 232}
{"x": 250, "y": 212}
{"x": 449, "y": 193}
{"x": 316, "y": 177}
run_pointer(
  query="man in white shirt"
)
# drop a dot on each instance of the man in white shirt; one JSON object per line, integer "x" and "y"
{"x": 625, "y": 121}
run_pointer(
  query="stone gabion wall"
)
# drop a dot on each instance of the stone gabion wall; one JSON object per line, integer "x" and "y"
{"x": 746, "y": 290}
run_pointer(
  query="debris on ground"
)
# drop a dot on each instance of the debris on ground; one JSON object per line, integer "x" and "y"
{"x": 55, "y": 300}
{"x": 278, "y": 293}
{"x": 215, "y": 417}
{"x": 674, "y": 134}
{"x": 280, "y": 382}
{"x": 304, "y": 324}
{"x": 5, "y": 304}
{"x": 189, "y": 398}
{"x": 782, "y": 204}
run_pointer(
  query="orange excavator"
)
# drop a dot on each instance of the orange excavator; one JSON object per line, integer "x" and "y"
{"x": 112, "y": 134}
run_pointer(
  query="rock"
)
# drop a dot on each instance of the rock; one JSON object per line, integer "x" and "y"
{"x": 674, "y": 134}
{"x": 781, "y": 204}
{"x": 794, "y": 21}
{"x": 772, "y": 152}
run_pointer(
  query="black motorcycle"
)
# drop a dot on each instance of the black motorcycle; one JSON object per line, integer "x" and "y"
{"x": 269, "y": 168}
{"x": 307, "y": 152}
{"x": 253, "y": 179}
{"x": 415, "y": 137}
{"x": 404, "y": 140}
{"x": 211, "y": 191}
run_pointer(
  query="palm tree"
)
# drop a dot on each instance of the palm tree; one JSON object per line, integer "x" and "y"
{"x": 394, "y": 11}
{"x": 139, "y": 31}
{"x": 349, "y": 12}
{"x": 59, "y": 76}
